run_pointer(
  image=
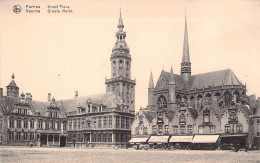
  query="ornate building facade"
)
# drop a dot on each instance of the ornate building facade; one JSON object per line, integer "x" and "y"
{"x": 213, "y": 103}
{"x": 93, "y": 121}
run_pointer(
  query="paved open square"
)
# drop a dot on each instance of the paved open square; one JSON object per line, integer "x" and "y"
{"x": 68, "y": 155}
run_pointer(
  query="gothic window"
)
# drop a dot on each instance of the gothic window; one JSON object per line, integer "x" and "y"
{"x": 213, "y": 129}
{"x": 160, "y": 129}
{"x": 200, "y": 129}
{"x": 182, "y": 118}
{"x": 162, "y": 102}
{"x": 227, "y": 99}
{"x": 166, "y": 129}
{"x": 239, "y": 128}
{"x": 190, "y": 129}
{"x": 182, "y": 129}
{"x": 236, "y": 97}
{"x": 220, "y": 104}
{"x": 206, "y": 117}
{"x": 175, "y": 129}
{"x": 154, "y": 129}
{"x": 227, "y": 129}
{"x": 145, "y": 131}
{"x": 199, "y": 97}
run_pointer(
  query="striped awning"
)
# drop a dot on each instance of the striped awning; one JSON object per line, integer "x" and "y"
{"x": 158, "y": 139}
{"x": 205, "y": 139}
{"x": 181, "y": 139}
{"x": 138, "y": 140}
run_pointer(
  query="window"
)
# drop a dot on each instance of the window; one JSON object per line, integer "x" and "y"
{"x": 200, "y": 129}
{"x": 47, "y": 125}
{"x": 258, "y": 133}
{"x": 58, "y": 125}
{"x": 137, "y": 130}
{"x": 206, "y": 117}
{"x": 70, "y": 125}
{"x": 236, "y": 97}
{"x": 31, "y": 136}
{"x": 88, "y": 123}
{"x": 94, "y": 123}
{"x": 105, "y": 122}
{"x": 18, "y": 136}
{"x": 182, "y": 129}
{"x": 160, "y": 129}
{"x": 175, "y": 129}
{"x": 19, "y": 111}
{"x": 233, "y": 116}
{"x": 166, "y": 129}
{"x": 31, "y": 123}
{"x": 122, "y": 122}
{"x": 127, "y": 123}
{"x": 258, "y": 121}
{"x": 53, "y": 125}
{"x": 117, "y": 122}
{"x": 99, "y": 122}
{"x": 227, "y": 99}
{"x": 162, "y": 102}
{"x": 64, "y": 126}
{"x": 212, "y": 129}
{"x": 25, "y": 111}
{"x": 145, "y": 130}
{"x": 74, "y": 124}
{"x": 110, "y": 122}
{"x": 18, "y": 123}
{"x": 239, "y": 128}
{"x": 25, "y": 136}
{"x": 78, "y": 124}
{"x": 190, "y": 129}
{"x": 25, "y": 124}
{"x": 182, "y": 118}
{"x": 11, "y": 135}
{"x": 11, "y": 123}
{"x": 40, "y": 124}
{"x": 154, "y": 129}
{"x": 227, "y": 129}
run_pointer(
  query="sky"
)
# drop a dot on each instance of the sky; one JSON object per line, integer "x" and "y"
{"x": 60, "y": 53}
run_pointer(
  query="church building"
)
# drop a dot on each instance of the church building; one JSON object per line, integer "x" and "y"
{"x": 189, "y": 110}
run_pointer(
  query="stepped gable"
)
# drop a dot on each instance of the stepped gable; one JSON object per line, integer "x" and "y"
{"x": 110, "y": 100}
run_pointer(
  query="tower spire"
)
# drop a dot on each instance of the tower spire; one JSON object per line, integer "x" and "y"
{"x": 186, "y": 64}
{"x": 151, "y": 85}
{"x": 171, "y": 77}
{"x": 120, "y": 22}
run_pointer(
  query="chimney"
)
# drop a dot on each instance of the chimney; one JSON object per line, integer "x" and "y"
{"x": 76, "y": 94}
{"x": 28, "y": 96}
{"x": 49, "y": 97}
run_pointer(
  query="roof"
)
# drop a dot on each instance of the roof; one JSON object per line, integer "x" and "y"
{"x": 12, "y": 84}
{"x": 108, "y": 99}
{"x": 205, "y": 80}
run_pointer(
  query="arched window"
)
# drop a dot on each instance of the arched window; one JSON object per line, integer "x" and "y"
{"x": 199, "y": 97}
{"x": 227, "y": 99}
{"x": 239, "y": 128}
{"x": 120, "y": 64}
{"x": 236, "y": 97}
{"x": 162, "y": 102}
{"x": 206, "y": 117}
{"x": 182, "y": 118}
{"x": 175, "y": 129}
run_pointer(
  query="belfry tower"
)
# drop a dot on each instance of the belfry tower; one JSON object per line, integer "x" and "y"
{"x": 121, "y": 83}
{"x": 186, "y": 64}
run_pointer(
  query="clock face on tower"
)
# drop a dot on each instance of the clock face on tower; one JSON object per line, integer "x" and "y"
{"x": 162, "y": 102}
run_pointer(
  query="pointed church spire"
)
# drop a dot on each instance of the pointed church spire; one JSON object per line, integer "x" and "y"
{"x": 186, "y": 64}
{"x": 171, "y": 77}
{"x": 151, "y": 85}
{"x": 120, "y": 22}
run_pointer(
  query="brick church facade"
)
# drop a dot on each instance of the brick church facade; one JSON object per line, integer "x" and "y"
{"x": 213, "y": 103}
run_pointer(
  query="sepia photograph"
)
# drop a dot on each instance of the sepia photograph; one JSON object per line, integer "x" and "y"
{"x": 129, "y": 81}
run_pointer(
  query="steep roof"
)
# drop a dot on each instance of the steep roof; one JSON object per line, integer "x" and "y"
{"x": 179, "y": 81}
{"x": 216, "y": 78}
{"x": 12, "y": 84}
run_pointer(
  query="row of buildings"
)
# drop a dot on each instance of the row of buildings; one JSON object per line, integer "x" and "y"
{"x": 213, "y": 104}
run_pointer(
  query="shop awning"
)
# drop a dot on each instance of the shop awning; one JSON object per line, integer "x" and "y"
{"x": 181, "y": 139}
{"x": 158, "y": 139}
{"x": 205, "y": 139}
{"x": 236, "y": 135}
{"x": 138, "y": 140}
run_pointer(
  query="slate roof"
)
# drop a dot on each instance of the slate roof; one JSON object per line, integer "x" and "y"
{"x": 216, "y": 78}
{"x": 12, "y": 84}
